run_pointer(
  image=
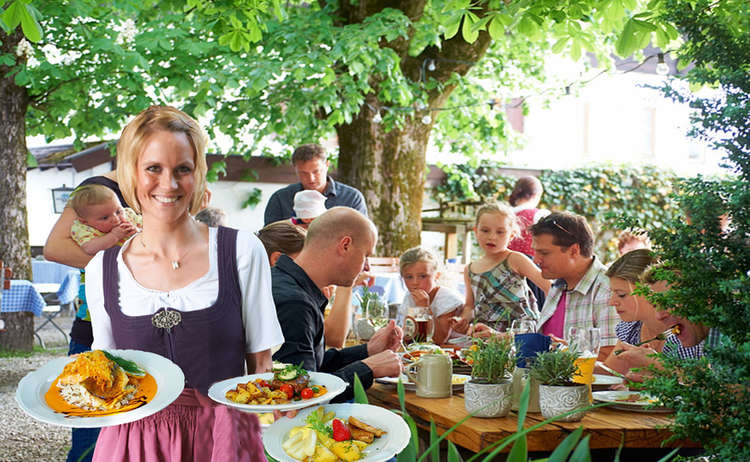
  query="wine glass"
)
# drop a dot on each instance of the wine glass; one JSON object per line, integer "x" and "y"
{"x": 523, "y": 326}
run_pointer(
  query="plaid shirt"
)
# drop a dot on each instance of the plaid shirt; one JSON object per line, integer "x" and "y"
{"x": 587, "y": 304}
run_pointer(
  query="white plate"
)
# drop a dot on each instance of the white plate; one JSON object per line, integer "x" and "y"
{"x": 381, "y": 449}
{"x": 31, "y": 390}
{"x": 458, "y": 381}
{"x": 614, "y": 397}
{"x": 606, "y": 380}
{"x": 334, "y": 385}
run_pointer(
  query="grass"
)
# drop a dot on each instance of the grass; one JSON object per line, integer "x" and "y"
{"x": 27, "y": 354}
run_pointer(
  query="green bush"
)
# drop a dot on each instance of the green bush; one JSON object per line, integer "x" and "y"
{"x": 598, "y": 193}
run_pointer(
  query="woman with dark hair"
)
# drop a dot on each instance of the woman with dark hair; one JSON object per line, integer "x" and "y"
{"x": 524, "y": 199}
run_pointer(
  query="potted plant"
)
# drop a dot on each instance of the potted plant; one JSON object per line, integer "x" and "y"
{"x": 558, "y": 394}
{"x": 488, "y": 392}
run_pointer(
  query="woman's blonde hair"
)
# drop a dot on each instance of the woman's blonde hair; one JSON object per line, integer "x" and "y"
{"x": 631, "y": 266}
{"x": 133, "y": 141}
{"x": 90, "y": 194}
{"x": 418, "y": 255}
{"x": 503, "y": 209}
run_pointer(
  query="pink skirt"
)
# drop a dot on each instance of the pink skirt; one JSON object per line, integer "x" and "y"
{"x": 193, "y": 428}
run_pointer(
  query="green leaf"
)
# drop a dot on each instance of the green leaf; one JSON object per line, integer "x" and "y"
{"x": 14, "y": 14}
{"x": 561, "y": 452}
{"x": 453, "y": 455}
{"x": 435, "y": 451}
{"x": 669, "y": 456}
{"x": 22, "y": 78}
{"x": 30, "y": 26}
{"x": 559, "y": 45}
{"x": 519, "y": 452}
{"x": 31, "y": 160}
{"x": 496, "y": 28}
{"x": 360, "y": 396}
{"x": 468, "y": 31}
{"x": 582, "y": 452}
{"x": 523, "y": 404}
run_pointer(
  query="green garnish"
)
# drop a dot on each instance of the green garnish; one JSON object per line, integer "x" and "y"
{"x": 128, "y": 366}
{"x": 317, "y": 420}
{"x": 290, "y": 372}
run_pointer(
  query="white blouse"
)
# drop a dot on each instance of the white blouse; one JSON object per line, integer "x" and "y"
{"x": 446, "y": 301}
{"x": 262, "y": 330}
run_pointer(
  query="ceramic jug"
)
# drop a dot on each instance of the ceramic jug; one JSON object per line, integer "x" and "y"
{"x": 433, "y": 375}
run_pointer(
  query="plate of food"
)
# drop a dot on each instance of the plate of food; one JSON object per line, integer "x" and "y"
{"x": 415, "y": 350}
{"x": 338, "y": 432}
{"x": 606, "y": 380}
{"x": 100, "y": 388}
{"x": 458, "y": 381}
{"x": 629, "y": 400}
{"x": 287, "y": 387}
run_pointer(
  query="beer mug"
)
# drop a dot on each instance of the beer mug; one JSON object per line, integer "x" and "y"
{"x": 419, "y": 325}
{"x": 433, "y": 375}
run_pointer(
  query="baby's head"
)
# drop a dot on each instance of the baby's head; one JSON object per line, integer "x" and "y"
{"x": 97, "y": 206}
{"x": 309, "y": 204}
{"x": 419, "y": 268}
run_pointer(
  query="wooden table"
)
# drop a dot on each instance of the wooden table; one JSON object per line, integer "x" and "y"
{"x": 605, "y": 426}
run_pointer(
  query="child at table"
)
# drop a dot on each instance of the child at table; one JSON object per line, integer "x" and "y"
{"x": 497, "y": 292}
{"x": 101, "y": 221}
{"x": 420, "y": 270}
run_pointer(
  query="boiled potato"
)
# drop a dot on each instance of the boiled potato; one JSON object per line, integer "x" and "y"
{"x": 322, "y": 454}
{"x": 346, "y": 451}
{"x": 300, "y": 443}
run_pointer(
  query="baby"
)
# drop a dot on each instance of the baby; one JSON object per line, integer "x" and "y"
{"x": 102, "y": 222}
{"x": 308, "y": 205}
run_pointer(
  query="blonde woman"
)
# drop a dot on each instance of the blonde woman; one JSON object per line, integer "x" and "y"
{"x": 185, "y": 291}
{"x": 640, "y": 321}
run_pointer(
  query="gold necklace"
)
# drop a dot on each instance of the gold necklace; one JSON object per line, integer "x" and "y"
{"x": 174, "y": 263}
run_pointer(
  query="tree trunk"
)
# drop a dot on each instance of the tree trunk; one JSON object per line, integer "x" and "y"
{"x": 14, "y": 235}
{"x": 389, "y": 169}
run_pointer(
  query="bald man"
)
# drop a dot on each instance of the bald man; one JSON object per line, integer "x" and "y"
{"x": 335, "y": 252}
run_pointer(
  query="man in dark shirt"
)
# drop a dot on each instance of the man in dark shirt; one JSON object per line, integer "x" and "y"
{"x": 311, "y": 166}
{"x": 335, "y": 252}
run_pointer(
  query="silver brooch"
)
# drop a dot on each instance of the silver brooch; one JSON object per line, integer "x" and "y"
{"x": 166, "y": 319}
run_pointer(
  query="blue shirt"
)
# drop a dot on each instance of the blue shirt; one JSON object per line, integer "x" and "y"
{"x": 280, "y": 205}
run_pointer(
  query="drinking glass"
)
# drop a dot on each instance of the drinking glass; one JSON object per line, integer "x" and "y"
{"x": 419, "y": 325}
{"x": 523, "y": 326}
{"x": 586, "y": 341}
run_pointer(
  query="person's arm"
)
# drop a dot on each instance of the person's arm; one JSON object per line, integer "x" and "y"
{"x": 101, "y": 324}
{"x": 442, "y": 328}
{"x": 60, "y": 247}
{"x": 259, "y": 362}
{"x": 110, "y": 239}
{"x": 467, "y": 315}
{"x": 339, "y": 320}
{"x": 526, "y": 268}
{"x": 359, "y": 204}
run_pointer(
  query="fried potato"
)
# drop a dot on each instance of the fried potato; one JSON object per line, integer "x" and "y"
{"x": 353, "y": 422}
{"x": 361, "y": 435}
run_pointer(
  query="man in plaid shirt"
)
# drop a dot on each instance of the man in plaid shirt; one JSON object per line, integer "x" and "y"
{"x": 563, "y": 249}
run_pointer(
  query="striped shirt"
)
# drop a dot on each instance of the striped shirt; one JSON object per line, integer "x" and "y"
{"x": 587, "y": 304}
{"x": 630, "y": 332}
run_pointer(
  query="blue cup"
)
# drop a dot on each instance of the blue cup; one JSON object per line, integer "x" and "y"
{"x": 528, "y": 345}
